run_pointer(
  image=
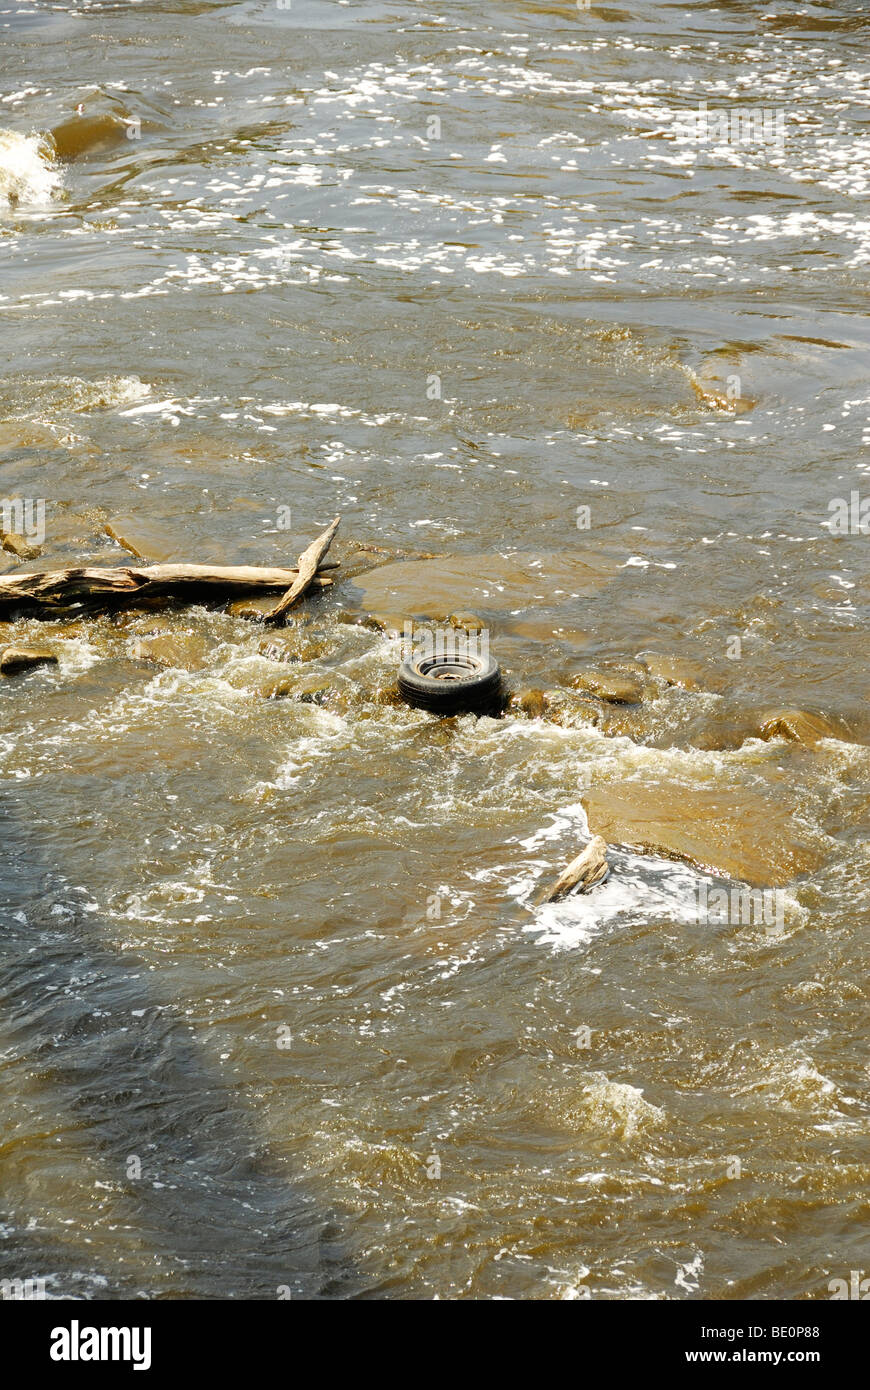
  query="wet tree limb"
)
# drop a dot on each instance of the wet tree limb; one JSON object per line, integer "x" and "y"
{"x": 309, "y": 562}
{"x": 590, "y": 867}
{"x": 54, "y": 589}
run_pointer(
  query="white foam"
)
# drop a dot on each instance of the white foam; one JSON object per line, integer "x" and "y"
{"x": 29, "y": 176}
{"x": 639, "y": 888}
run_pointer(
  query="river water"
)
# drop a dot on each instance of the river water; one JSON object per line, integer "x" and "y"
{"x": 523, "y": 288}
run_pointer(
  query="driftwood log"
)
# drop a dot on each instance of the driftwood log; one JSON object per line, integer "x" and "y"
{"x": 590, "y": 867}
{"x": 56, "y": 589}
{"x": 309, "y": 562}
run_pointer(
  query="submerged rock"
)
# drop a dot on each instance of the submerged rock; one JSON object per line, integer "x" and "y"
{"x": 468, "y": 622}
{"x": 349, "y": 619}
{"x": 553, "y": 630}
{"x": 497, "y": 584}
{"x": 276, "y": 651}
{"x": 145, "y": 539}
{"x": 318, "y": 690}
{"x": 181, "y": 651}
{"x": 532, "y": 703}
{"x": 294, "y": 646}
{"x": 612, "y": 686}
{"x": 734, "y": 830}
{"x": 674, "y": 670}
{"x": 572, "y": 710}
{"x": 85, "y": 135}
{"x": 20, "y": 546}
{"x": 16, "y": 659}
{"x": 254, "y": 609}
{"x": 390, "y": 623}
{"x": 797, "y": 725}
{"x": 636, "y": 722}
{"x": 389, "y": 695}
{"x": 280, "y": 690}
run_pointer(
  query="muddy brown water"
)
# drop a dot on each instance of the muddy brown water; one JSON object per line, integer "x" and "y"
{"x": 278, "y": 1011}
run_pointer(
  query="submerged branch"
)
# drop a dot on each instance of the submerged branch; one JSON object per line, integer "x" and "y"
{"x": 590, "y": 867}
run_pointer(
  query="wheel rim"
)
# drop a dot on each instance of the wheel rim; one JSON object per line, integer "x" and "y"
{"x": 447, "y": 668}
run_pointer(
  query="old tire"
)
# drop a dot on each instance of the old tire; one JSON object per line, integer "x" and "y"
{"x": 451, "y": 683}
